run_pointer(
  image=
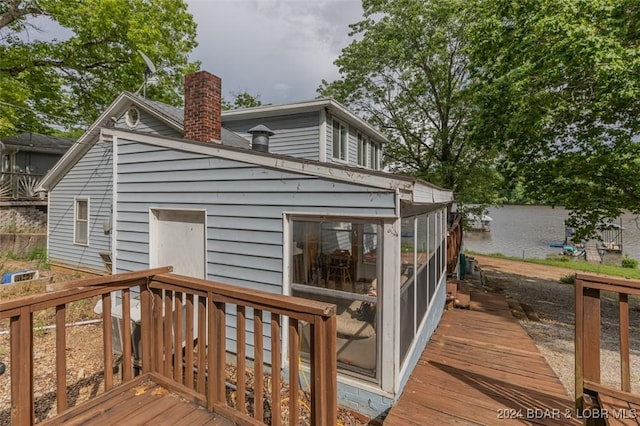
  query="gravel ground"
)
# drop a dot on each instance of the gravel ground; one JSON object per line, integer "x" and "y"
{"x": 554, "y": 333}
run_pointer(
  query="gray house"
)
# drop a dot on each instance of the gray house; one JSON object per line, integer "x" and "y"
{"x": 26, "y": 158}
{"x": 314, "y": 222}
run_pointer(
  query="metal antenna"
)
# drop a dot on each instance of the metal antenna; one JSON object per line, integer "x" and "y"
{"x": 149, "y": 70}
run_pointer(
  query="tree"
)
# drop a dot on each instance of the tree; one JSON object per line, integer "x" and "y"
{"x": 407, "y": 72}
{"x": 242, "y": 99}
{"x": 68, "y": 75}
{"x": 558, "y": 92}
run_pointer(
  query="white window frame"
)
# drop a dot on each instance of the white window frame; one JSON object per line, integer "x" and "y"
{"x": 373, "y": 154}
{"x": 362, "y": 142}
{"x": 343, "y": 145}
{"x": 76, "y": 200}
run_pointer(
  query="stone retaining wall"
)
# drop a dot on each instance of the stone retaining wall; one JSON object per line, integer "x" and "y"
{"x": 23, "y": 219}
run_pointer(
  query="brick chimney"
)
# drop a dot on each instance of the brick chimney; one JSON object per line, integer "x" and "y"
{"x": 202, "y": 107}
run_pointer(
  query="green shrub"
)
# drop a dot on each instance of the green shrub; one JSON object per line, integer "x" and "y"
{"x": 558, "y": 258}
{"x": 568, "y": 279}
{"x": 628, "y": 262}
{"x": 39, "y": 254}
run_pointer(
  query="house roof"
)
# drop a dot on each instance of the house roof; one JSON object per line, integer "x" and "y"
{"x": 412, "y": 190}
{"x": 38, "y": 143}
{"x": 170, "y": 115}
{"x": 175, "y": 116}
{"x": 328, "y": 104}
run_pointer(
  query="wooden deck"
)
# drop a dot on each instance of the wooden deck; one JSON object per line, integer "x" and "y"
{"x": 481, "y": 367}
{"x": 141, "y": 401}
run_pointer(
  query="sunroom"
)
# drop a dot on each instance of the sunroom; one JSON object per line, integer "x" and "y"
{"x": 387, "y": 276}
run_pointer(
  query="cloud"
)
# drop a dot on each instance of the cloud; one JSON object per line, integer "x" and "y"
{"x": 278, "y": 49}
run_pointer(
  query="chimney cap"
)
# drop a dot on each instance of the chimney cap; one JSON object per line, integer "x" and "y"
{"x": 260, "y": 128}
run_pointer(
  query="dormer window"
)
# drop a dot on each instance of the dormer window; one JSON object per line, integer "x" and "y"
{"x": 340, "y": 140}
{"x": 362, "y": 150}
{"x": 374, "y": 155}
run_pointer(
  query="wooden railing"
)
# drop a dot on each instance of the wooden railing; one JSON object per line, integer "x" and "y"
{"x": 196, "y": 370}
{"x": 454, "y": 242}
{"x": 16, "y": 186}
{"x": 587, "y": 338}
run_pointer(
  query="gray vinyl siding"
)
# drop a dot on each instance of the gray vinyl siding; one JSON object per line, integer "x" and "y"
{"x": 295, "y": 135}
{"x": 148, "y": 124}
{"x": 244, "y": 205}
{"x": 91, "y": 177}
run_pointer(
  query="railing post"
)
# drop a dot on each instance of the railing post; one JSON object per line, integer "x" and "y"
{"x": 294, "y": 372}
{"x": 591, "y": 336}
{"x": 22, "y": 368}
{"x": 107, "y": 341}
{"x": 146, "y": 329}
{"x": 579, "y": 330}
{"x": 625, "y": 371}
{"x": 61, "y": 358}
{"x": 157, "y": 335}
{"x": 323, "y": 371}
{"x": 276, "y": 368}
{"x": 216, "y": 358}
{"x": 331, "y": 371}
{"x": 127, "y": 373}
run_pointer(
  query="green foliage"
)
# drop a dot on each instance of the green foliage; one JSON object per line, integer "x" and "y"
{"x": 39, "y": 255}
{"x": 558, "y": 258}
{"x": 407, "y": 72}
{"x": 628, "y": 262}
{"x": 242, "y": 99}
{"x": 69, "y": 75}
{"x": 568, "y": 279}
{"x": 556, "y": 89}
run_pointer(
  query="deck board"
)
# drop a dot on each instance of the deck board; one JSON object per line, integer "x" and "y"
{"x": 480, "y": 363}
{"x": 619, "y": 412}
{"x": 145, "y": 402}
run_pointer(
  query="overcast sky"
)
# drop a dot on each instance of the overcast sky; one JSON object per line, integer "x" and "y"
{"x": 278, "y": 49}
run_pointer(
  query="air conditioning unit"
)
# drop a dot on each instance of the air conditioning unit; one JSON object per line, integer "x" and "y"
{"x": 135, "y": 317}
{"x": 116, "y": 327}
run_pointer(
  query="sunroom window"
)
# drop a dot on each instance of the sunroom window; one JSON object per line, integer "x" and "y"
{"x": 339, "y": 262}
{"x": 421, "y": 253}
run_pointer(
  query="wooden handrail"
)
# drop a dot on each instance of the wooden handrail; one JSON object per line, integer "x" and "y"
{"x": 168, "y": 332}
{"x": 587, "y": 333}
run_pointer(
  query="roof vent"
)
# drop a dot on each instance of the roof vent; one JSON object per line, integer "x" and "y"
{"x": 260, "y": 138}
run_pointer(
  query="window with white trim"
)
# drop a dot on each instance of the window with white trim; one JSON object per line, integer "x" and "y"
{"x": 340, "y": 140}
{"x": 362, "y": 149}
{"x": 81, "y": 221}
{"x": 374, "y": 155}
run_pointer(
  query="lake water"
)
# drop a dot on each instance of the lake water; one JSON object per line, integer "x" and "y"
{"x": 526, "y": 231}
